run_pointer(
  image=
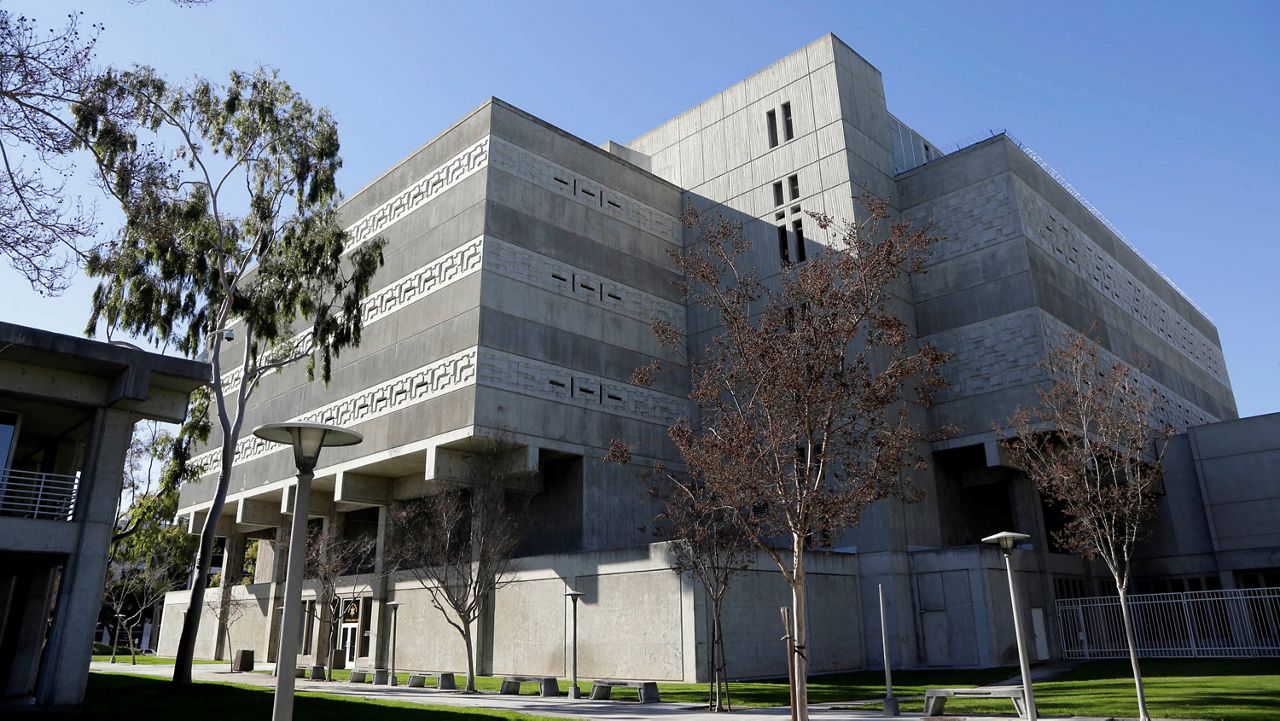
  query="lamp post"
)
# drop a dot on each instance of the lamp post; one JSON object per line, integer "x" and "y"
{"x": 573, "y": 596}
{"x": 1007, "y": 540}
{"x": 307, "y": 440}
{"x": 395, "y": 614}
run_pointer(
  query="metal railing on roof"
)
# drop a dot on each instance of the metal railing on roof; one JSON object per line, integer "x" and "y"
{"x": 49, "y": 496}
{"x": 1052, "y": 173}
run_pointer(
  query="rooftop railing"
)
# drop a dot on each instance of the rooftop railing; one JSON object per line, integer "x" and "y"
{"x": 1093, "y": 210}
{"x": 26, "y": 494}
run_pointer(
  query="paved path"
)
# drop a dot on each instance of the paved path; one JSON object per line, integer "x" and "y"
{"x": 536, "y": 705}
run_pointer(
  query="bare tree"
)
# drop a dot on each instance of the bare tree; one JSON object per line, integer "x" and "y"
{"x": 330, "y": 557}
{"x": 458, "y": 541}
{"x": 41, "y": 74}
{"x": 1093, "y": 447}
{"x": 226, "y": 612}
{"x": 806, "y": 390}
{"x": 708, "y": 543}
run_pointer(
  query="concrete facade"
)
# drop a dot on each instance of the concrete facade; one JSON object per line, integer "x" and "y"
{"x": 524, "y": 266}
{"x": 67, "y": 411}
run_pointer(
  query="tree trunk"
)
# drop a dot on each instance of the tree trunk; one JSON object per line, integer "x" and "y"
{"x": 801, "y": 628}
{"x": 133, "y": 654}
{"x": 471, "y": 661}
{"x": 717, "y": 701}
{"x": 191, "y": 622}
{"x": 1133, "y": 653}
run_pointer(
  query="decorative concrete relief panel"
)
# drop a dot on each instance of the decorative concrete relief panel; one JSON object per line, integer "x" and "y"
{"x": 439, "y": 273}
{"x": 534, "y": 168}
{"x": 1053, "y": 233}
{"x": 430, "y": 381}
{"x": 538, "y": 270}
{"x": 510, "y": 372}
{"x": 1172, "y": 408}
{"x": 975, "y": 217}
{"x": 998, "y": 353}
{"x": 427, "y": 188}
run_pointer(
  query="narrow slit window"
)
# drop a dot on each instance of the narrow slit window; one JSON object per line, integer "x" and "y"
{"x": 798, "y": 227}
{"x": 777, "y": 194}
{"x": 771, "y": 120}
{"x": 794, "y": 182}
{"x": 780, "y": 215}
{"x": 788, "y": 130}
{"x": 783, "y": 253}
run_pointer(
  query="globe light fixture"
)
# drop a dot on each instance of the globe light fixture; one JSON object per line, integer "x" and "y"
{"x": 1006, "y": 540}
{"x": 307, "y": 439}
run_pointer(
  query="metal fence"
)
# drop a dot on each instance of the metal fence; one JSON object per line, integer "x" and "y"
{"x": 1238, "y": 623}
{"x": 38, "y": 495}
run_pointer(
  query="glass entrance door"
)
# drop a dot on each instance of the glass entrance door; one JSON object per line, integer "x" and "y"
{"x": 350, "y": 641}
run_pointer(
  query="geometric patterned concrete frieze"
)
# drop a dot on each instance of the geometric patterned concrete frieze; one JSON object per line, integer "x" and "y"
{"x": 430, "y": 381}
{"x": 459, "y": 167}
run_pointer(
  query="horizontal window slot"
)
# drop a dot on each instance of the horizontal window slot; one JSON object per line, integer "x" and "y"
{"x": 557, "y": 384}
{"x": 612, "y": 397}
{"x": 562, "y": 181}
{"x": 615, "y": 296}
{"x": 560, "y": 278}
{"x": 588, "y": 192}
{"x": 591, "y": 288}
{"x": 610, "y": 202}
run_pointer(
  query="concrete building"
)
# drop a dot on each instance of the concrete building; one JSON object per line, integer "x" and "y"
{"x": 523, "y": 268}
{"x": 67, "y": 411}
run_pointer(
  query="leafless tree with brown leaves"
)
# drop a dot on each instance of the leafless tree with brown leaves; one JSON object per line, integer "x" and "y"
{"x": 805, "y": 391}
{"x": 458, "y": 541}
{"x": 330, "y": 557}
{"x": 710, "y": 545}
{"x": 1093, "y": 448}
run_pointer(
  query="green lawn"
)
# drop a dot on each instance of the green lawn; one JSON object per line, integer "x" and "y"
{"x": 1176, "y": 689}
{"x": 119, "y": 696}
{"x": 150, "y": 660}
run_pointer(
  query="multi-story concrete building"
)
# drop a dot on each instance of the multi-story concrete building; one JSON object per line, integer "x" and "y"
{"x": 67, "y": 411}
{"x": 524, "y": 266}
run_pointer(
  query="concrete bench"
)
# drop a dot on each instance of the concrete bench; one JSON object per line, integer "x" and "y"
{"x": 935, "y": 699}
{"x": 360, "y": 676}
{"x": 647, "y": 690}
{"x": 547, "y": 685}
{"x": 445, "y": 680}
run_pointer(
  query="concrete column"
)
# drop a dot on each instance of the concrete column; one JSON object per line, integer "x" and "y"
{"x": 70, "y": 644}
{"x": 275, "y": 596}
{"x": 232, "y": 571}
{"x": 380, "y": 623}
{"x": 32, "y": 596}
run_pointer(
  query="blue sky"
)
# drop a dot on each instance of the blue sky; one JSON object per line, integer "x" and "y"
{"x": 1164, "y": 115}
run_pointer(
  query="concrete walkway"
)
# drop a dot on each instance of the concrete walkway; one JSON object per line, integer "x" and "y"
{"x": 535, "y": 705}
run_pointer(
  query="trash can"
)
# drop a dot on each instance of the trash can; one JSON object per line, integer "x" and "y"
{"x": 243, "y": 660}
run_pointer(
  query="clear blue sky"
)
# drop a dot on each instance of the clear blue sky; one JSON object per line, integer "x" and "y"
{"x": 1164, "y": 115}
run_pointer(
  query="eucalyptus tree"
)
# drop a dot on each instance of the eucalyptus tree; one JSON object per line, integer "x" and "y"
{"x": 230, "y": 234}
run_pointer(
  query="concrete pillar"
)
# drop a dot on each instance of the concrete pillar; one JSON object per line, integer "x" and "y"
{"x": 380, "y": 623}
{"x": 70, "y": 644}
{"x": 32, "y": 593}
{"x": 232, "y": 571}
{"x": 275, "y": 596}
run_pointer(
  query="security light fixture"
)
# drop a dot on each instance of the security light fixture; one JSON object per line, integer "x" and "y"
{"x": 1006, "y": 540}
{"x": 307, "y": 440}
